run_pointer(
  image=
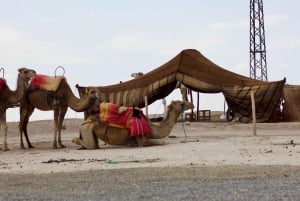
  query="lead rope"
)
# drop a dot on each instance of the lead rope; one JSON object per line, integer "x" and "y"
{"x": 182, "y": 111}
{"x": 182, "y": 122}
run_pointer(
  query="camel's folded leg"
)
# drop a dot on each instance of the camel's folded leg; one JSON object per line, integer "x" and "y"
{"x": 88, "y": 139}
{"x": 143, "y": 141}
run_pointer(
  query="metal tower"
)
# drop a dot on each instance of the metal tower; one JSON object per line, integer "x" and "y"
{"x": 258, "y": 63}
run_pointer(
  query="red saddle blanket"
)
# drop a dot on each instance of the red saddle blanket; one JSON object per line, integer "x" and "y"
{"x": 45, "y": 82}
{"x": 2, "y": 83}
{"x": 124, "y": 117}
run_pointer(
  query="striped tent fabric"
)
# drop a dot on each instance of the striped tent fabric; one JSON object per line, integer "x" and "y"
{"x": 198, "y": 73}
{"x": 291, "y": 103}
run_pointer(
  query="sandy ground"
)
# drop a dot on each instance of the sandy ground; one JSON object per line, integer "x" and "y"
{"x": 208, "y": 144}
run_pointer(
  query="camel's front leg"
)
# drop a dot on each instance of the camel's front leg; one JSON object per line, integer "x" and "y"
{"x": 61, "y": 118}
{"x": 58, "y": 120}
{"x": 4, "y": 126}
{"x": 144, "y": 141}
{"x": 5, "y": 147}
{"x": 25, "y": 113}
{"x": 56, "y": 113}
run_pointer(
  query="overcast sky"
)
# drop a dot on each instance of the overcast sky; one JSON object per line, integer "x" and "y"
{"x": 101, "y": 42}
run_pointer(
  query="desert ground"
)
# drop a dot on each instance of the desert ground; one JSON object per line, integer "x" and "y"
{"x": 197, "y": 144}
{"x": 215, "y": 160}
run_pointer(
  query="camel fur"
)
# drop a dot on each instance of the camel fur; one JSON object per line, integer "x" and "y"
{"x": 58, "y": 101}
{"x": 9, "y": 98}
{"x": 93, "y": 128}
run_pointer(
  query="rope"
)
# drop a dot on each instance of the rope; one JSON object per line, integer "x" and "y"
{"x": 182, "y": 122}
{"x": 185, "y": 137}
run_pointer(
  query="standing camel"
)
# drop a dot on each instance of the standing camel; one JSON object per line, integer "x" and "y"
{"x": 9, "y": 98}
{"x": 93, "y": 128}
{"x": 57, "y": 100}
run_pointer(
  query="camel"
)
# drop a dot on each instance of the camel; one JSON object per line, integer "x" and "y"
{"x": 9, "y": 98}
{"x": 58, "y": 101}
{"x": 93, "y": 128}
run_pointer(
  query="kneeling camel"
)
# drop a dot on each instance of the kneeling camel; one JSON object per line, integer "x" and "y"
{"x": 93, "y": 128}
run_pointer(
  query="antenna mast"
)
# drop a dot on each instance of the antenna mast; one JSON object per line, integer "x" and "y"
{"x": 258, "y": 63}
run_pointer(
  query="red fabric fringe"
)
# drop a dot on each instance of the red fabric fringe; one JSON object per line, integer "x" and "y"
{"x": 138, "y": 126}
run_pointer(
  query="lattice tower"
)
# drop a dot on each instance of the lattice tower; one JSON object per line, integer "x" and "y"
{"x": 258, "y": 62}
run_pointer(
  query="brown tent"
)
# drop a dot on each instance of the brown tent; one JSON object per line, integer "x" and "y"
{"x": 291, "y": 104}
{"x": 198, "y": 73}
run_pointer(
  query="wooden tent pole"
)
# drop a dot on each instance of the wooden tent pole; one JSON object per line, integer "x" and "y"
{"x": 191, "y": 96}
{"x": 146, "y": 105}
{"x": 198, "y": 97}
{"x": 253, "y": 113}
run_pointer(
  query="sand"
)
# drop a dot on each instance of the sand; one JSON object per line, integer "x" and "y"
{"x": 207, "y": 144}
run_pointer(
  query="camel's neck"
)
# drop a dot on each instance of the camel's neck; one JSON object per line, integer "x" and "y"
{"x": 77, "y": 104}
{"x": 164, "y": 128}
{"x": 16, "y": 95}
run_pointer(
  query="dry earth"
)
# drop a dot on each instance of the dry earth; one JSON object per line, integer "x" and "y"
{"x": 208, "y": 144}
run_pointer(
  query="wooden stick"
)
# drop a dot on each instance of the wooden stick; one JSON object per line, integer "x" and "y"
{"x": 146, "y": 105}
{"x": 253, "y": 113}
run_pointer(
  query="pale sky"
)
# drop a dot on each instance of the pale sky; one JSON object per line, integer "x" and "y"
{"x": 101, "y": 42}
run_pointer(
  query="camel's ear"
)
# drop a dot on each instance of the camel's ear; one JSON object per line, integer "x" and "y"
{"x": 21, "y": 69}
{"x": 171, "y": 105}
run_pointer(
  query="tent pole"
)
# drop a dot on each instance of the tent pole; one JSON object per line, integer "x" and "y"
{"x": 146, "y": 105}
{"x": 191, "y": 96}
{"x": 198, "y": 97}
{"x": 253, "y": 113}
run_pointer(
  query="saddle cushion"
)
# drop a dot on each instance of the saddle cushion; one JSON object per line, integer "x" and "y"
{"x": 2, "y": 83}
{"x": 45, "y": 82}
{"x": 115, "y": 114}
{"x": 124, "y": 117}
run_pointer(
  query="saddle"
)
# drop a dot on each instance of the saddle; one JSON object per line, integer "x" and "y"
{"x": 45, "y": 82}
{"x": 46, "y": 86}
{"x": 124, "y": 117}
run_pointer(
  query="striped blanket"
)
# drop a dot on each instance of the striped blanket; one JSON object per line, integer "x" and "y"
{"x": 45, "y": 82}
{"x": 124, "y": 117}
{"x": 2, "y": 83}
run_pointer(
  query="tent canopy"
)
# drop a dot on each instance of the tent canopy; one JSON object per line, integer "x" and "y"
{"x": 198, "y": 73}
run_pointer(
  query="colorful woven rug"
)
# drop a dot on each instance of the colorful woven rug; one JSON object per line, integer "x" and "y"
{"x": 45, "y": 82}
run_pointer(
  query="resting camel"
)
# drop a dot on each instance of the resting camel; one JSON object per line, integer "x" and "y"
{"x": 93, "y": 128}
{"x": 58, "y": 101}
{"x": 8, "y": 98}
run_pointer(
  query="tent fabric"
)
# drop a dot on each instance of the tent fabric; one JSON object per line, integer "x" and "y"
{"x": 198, "y": 73}
{"x": 291, "y": 106}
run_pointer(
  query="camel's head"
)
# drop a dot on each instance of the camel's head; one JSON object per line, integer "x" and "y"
{"x": 180, "y": 106}
{"x": 26, "y": 73}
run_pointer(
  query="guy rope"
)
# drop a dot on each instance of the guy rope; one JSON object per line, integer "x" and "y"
{"x": 182, "y": 122}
